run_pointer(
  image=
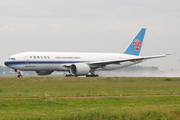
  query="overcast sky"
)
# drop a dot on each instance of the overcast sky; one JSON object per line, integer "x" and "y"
{"x": 91, "y": 26}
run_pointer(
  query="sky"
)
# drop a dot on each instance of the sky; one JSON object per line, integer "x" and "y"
{"x": 91, "y": 26}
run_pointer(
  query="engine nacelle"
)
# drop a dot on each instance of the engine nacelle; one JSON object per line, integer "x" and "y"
{"x": 79, "y": 69}
{"x": 43, "y": 72}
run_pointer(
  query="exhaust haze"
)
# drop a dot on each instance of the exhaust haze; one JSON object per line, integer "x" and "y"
{"x": 139, "y": 74}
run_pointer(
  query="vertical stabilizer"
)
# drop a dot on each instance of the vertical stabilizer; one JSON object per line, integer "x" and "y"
{"x": 135, "y": 47}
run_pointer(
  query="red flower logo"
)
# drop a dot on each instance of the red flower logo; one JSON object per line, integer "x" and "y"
{"x": 137, "y": 43}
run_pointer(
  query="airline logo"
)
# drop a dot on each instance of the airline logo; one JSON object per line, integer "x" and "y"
{"x": 137, "y": 43}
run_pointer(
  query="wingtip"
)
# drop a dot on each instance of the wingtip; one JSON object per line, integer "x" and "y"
{"x": 170, "y": 54}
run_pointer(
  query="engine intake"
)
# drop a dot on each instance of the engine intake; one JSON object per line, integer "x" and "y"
{"x": 79, "y": 69}
{"x": 43, "y": 72}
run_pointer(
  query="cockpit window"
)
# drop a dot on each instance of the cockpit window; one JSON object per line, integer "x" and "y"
{"x": 11, "y": 59}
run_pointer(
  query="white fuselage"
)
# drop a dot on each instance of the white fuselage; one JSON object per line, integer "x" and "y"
{"x": 57, "y": 61}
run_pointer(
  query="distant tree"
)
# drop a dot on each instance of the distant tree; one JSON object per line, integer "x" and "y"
{"x": 6, "y": 70}
{"x": 1, "y": 69}
{"x": 138, "y": 68}
{"x": 154, "y": 68}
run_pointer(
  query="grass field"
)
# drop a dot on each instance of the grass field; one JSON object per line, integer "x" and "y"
{"x": 92, "y": 108}
{"x": 77, "y": 86}
{"x": 46, "y": 103}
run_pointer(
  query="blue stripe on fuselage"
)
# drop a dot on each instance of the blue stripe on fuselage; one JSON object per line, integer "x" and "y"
{"x": 14, "y": 62}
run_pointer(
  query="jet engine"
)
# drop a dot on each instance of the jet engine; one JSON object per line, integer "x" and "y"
{"x": 43, "y": 72}
{"x": 79, "y": 69}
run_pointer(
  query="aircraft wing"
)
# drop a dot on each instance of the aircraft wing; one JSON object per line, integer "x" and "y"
{"x": 97, "y": 64}
{"x": 119, "y": 61}
{"x": 103, "y": 63}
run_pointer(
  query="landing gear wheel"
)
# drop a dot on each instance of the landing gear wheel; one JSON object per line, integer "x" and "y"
{"x": 68, "y": 75}
{"x": 93, "y": 75}
{"x": 18, "y": 73}
{"x": 19, "y": 76}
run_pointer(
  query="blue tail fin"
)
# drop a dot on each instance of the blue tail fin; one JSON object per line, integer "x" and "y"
{"x": 135, "y": 47}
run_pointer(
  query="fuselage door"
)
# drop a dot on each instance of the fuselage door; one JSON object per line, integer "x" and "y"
{"x": 26, "y": 59}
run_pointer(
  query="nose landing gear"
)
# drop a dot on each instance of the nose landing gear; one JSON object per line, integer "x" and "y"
{"x": 19, "y": 73}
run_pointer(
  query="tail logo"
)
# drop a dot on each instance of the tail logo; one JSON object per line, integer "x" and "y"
{"x": 137, "y": 43}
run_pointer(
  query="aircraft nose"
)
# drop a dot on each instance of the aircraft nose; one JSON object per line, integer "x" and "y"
{"x": 6, "y": 63}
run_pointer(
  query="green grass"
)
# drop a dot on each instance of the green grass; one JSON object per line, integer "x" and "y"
{"x": 77, "y": 86}
{"x": 45, "y": 102}
{"x": 159, "y": 108}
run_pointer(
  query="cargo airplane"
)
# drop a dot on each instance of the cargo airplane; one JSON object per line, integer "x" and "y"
{"x": 78, "y": 64}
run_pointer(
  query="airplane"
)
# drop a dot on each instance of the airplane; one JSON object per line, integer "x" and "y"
{"x": 78, "y": 64}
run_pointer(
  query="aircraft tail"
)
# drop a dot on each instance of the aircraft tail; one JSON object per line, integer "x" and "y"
{"x": 135, "y": 47}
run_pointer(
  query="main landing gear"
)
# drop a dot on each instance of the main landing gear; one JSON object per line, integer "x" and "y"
{"x": 68, "y": 75}
{"x": 93, "y": 75}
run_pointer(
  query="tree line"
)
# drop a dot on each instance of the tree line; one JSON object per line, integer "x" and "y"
{"x": 139, "y": 68}
{"x": 6, "y": 70}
